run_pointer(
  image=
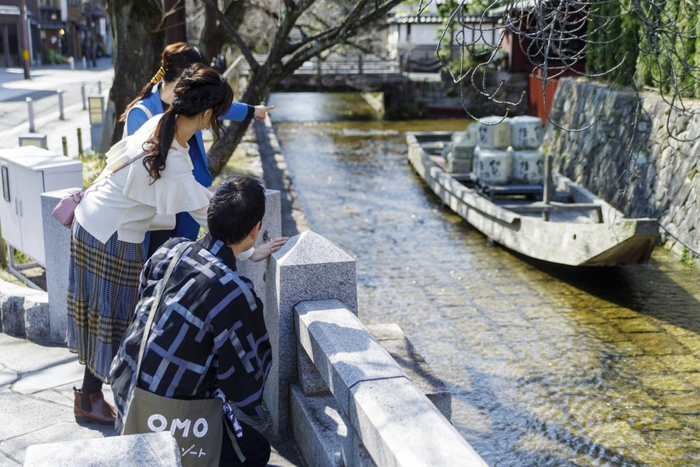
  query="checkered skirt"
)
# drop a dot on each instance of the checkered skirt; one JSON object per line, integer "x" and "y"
{"x": 102, "y": 295}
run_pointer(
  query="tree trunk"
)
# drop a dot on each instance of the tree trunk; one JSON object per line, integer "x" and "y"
{"x": 175, "y": 29}
{"x": 138, "y": 44}
{"x": 212, "y": 39}
{"x": 213, "y": 36}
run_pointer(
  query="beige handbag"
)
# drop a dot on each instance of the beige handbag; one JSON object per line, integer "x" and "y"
{"x": 197, "y": 425}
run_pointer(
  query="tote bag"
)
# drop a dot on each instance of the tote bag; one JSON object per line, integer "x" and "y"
{"x": 196, "y": 425}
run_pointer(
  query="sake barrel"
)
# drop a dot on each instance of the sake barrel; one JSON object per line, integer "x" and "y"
{"x": 462, "y": 154}
{"x": 493, "y": 166}
{"x": 473, "y": 131}
{"x": 528, "y": 166}
{"x": 526, "y": 132}
{"x": 469, "y": 136}
{"x": 493, "y": 132}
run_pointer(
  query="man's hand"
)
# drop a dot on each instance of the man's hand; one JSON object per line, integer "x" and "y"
{"x": 262, "y": 110}
{"x": 266, "y": 249}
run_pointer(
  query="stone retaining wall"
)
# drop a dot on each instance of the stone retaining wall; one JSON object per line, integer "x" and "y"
{"x": 628, "y": 158}
{"x": 444, "y": 97}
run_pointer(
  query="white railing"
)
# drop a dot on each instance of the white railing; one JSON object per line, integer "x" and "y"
{"x": 339, "y": 65}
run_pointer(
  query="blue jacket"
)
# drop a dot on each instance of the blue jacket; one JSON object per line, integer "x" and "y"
{"x": 186, "y": 226}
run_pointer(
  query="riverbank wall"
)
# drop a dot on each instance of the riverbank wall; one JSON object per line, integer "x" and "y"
{"x": 640, "y": 156}
{"x": 489, "y": 95}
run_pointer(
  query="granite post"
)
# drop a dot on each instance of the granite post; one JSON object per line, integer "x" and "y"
{"x": 271, "y": 229}
{"x": 308, "y": 267}
{"x": 57, "y": 252}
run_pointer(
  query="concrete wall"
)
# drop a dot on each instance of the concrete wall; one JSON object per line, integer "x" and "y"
{"x": 628, "y": 158}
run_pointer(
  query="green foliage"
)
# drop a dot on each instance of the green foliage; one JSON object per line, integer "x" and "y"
{"x": 688, "y": 258}
{"x": 665, "y": 57}
{"x": 21, "y": 258}
{"x": 614, "y": 43}
{"x": 450, "y": 29}
{"x": 93, "y": 164}
{"x": 52, "y": 57}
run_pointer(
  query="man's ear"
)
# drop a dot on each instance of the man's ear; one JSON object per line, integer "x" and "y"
{"x": 256, "y": 230}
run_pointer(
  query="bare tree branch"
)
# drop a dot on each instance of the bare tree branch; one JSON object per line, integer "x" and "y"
{"x": 350, "y": 24}
{"x": 245, "y": 50}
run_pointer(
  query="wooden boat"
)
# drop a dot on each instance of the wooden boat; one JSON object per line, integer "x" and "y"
{"x": 575, "y": 228}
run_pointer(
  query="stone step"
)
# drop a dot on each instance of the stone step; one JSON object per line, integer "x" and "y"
{"x": 24, "y": 312}
{"x": 152, "y": 449}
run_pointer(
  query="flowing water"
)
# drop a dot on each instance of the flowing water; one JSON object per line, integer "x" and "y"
{"x": 547, "y": 365}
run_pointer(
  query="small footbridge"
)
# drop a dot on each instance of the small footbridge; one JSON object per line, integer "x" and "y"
{"x": 336, "y": 73}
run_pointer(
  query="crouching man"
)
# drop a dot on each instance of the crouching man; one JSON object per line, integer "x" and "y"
{"x": 208, "y": 337}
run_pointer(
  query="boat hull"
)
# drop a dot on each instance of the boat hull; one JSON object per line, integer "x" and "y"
{"x": 615, "y": 241}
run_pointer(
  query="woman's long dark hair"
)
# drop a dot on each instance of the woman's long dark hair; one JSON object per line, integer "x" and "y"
{"x": 175, "y": 58}
{"x": 200, "y": 88}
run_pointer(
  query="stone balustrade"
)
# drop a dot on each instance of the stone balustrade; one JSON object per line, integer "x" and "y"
{"x": 334, "y": 386}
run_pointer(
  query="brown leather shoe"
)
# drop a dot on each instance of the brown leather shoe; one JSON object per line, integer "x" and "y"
{"x": 93, "y": 408}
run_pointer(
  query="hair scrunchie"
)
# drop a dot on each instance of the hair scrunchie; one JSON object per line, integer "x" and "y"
{"x": 158, "y": 76}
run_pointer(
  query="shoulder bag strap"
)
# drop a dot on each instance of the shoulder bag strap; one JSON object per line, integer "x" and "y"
{"x": 180, "y": 250}
{"x": 143, "y": 108}
{"x": 99, "y": 179}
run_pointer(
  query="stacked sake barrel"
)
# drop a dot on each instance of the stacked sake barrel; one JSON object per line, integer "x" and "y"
{"x": 527, "y": 159}
{"x": 493, "y": 161}
{"x": 461, "y": 155}
{"x": 507, "y": 151}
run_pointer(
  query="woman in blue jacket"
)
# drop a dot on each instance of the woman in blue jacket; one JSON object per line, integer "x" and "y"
{"x": 154, "y": 99}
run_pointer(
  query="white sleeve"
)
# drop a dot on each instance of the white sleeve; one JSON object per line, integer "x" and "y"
{"x": 163, "y": 222}
{"x": 200, "y": 215}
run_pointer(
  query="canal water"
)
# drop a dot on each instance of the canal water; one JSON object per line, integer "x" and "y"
{"x": 547, "y": 365}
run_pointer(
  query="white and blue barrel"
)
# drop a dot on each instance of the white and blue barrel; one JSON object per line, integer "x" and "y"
{"x": 526, "y": 132}
{"x": 528, "y": 166}
{"x": 493, "y": 166}
{"x": 493, "y": 132}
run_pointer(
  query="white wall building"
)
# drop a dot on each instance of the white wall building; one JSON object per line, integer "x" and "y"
{"x": 416, "y": 37}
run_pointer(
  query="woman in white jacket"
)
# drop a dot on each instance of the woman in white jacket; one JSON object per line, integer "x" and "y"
{"x": 116, "y": 212}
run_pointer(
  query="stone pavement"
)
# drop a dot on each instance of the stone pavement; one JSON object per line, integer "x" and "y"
{"x": 42, "y": 88}
{"x": 36, "y": 400}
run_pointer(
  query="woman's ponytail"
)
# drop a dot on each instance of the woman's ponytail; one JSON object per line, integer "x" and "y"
{"x": 159, "y": 144}
{"x": 200, "y": 88}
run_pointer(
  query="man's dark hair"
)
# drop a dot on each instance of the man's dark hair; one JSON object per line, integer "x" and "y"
{"x": 237, "y": 206}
